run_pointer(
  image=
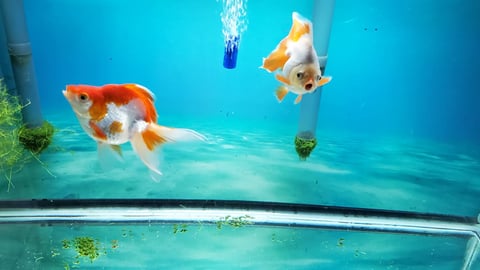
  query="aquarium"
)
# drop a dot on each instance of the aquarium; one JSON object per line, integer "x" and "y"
{"x": 239, "y": 134}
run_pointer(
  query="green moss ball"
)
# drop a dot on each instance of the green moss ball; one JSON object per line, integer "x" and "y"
{"x": 36, "y": 139}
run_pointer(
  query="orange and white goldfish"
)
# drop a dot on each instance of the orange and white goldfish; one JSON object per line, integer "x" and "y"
{"x": 114, "y": 114}
{"x": 297, "y": 59}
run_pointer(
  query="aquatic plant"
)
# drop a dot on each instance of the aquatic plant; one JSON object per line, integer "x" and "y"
{"x": 12, "y": 155}
{"x": 15, "y": 138}
{"x": 304, "y": 147}
{"x": 10, "y": 107}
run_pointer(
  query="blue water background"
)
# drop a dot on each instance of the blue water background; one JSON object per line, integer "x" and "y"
{"x": 398, "y": 129}
{"x": 405, "y": 68}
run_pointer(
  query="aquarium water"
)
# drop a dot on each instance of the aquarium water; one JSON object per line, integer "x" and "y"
{"x": 398, "y": 129}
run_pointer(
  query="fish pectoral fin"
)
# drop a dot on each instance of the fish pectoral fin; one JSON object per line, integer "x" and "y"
{"x": 282, "y": 79}
{"x": 146, "y": 143}
{"x": 109, "y": 156}
{"x": 281, "y": 92}
{"x": 298, "y": 99}
{"x": 324, "y": 80}
{"x": 276, "y": 59}
{"x": 117, "y": 149}
{"x": 97, "y": 131}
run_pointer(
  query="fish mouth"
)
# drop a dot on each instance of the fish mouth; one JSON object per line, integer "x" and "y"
{"x": 308, "y": 86}
{"x": 67, "y": 94}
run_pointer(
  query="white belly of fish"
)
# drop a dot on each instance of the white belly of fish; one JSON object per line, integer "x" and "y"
{"x": 127, "y": 117}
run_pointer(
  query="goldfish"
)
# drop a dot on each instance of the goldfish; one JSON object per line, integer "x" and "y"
{"x": 297, "y": 60}
{"x": 114, "y": 114}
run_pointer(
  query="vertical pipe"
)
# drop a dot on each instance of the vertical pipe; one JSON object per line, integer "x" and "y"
{"x": 22, "y": 62}
{"x": 6, "y": 74}
{"x": 305, "y": 140}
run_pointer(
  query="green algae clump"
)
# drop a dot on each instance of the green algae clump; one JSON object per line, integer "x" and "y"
{"x": 85, "y": 246}
{"x": 12, "y": 156}
{"x": 15, "y": 138}
{"x": 36, "y": 139}
{"x": 304, "y": 147}
{"x": 10, "y": 108}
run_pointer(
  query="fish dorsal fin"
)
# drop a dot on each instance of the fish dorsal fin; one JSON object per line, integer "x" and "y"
{"x": 142, "y": 90}
{"x": 300, "y": 27}
{"x": 146, "y": 99}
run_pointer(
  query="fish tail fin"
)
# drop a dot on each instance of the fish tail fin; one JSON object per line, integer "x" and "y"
{"x": 300, "y": 27}
{"x": 147, "y": 143}
{"x": 277, "y": 58}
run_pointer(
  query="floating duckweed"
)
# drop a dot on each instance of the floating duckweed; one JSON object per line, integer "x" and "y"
{"x": 66, "y": 244}
{"x": 182, "y": 228}
{"x": 36, "y": 139}
{"x": 235, "y": 222}
{"x": 304, "y": 147}
{"x": 87, "y": 247}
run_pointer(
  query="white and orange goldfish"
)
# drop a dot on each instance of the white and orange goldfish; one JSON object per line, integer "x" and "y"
{"x": 114, "y": 114}
{"x": 297, "y": 59}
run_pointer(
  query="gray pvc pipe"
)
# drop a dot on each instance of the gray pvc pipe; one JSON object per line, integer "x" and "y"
{"x": 309, "y": 107}
{"x": 21, "y": 59}
{"x": 6, "y": 73}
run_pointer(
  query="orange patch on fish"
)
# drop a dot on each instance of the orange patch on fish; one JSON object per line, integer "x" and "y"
{"x": 125, "y": 93}
{"x": 98, "y": 111}
{"x": 277, "y": 58}
{"x": 298, "y": 30}
{"x": 116, "y": 127}
{"x": 282, "y": 79}
{"x": 97, "y": 131}
{"x": 152, "y": 139}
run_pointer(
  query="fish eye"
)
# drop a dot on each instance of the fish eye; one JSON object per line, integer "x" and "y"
{"x": 83, "y": 97}
{"x": 300, "y": 75}
{"x": 319, "y": 77}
